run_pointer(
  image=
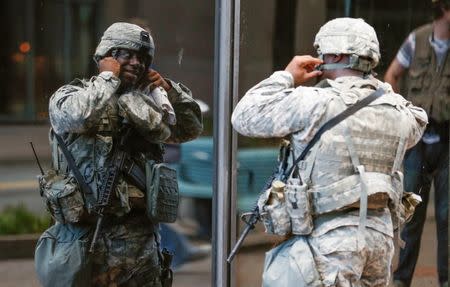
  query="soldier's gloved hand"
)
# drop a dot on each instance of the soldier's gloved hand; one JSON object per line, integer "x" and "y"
{"x": 109, "y": 64}
{"x": 154, "y": 79}
{"x": 302, "y": 68}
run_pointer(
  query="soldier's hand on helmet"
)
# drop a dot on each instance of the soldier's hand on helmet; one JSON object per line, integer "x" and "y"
{"x": 302, "y": 68}
{"x": 154, "y": 79}
{"x": 109, "y": 64}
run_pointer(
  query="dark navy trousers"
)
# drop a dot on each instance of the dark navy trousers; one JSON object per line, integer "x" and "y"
{"x": 423, "y": 164}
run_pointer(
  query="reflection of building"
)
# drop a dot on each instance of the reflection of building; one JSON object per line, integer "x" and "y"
{"x": 273, "y": 33}
{"x": 62, "y": 35}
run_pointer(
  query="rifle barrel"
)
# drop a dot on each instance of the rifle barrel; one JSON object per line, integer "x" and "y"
{"x": 239, "y": 242}
{"x": 36, "y": 157}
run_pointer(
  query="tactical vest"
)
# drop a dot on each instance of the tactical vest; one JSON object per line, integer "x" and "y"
{"x": 360, "y": 157}
{"x": 93, "y": 154}
{"x": 428, "y": 83}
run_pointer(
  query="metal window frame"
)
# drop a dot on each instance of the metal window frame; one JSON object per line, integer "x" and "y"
{"x": 226, "y": 76}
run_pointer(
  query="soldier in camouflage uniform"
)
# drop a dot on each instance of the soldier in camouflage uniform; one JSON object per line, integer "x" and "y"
{"x": 89, "y": 115}
{"x": 351, "y": 176}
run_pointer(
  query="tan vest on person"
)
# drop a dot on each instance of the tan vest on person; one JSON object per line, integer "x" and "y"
{"x": 354, "y": 165}
{"x": 360, "y": 157}
{"x": 428, "y": 83}
{"x": 93, "y": 154}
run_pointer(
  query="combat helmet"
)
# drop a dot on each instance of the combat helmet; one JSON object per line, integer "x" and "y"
{"x": 352, "y": 37}
{"x": 126, "y": 36}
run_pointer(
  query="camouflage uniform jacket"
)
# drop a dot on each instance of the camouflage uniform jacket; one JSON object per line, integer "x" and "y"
{"x": 274, "y": 108}
{"x": 87, "y": 114}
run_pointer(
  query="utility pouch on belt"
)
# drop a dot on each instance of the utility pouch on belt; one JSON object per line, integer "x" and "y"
{"x": 298, "y": 206}
{"x": 292, "y": 214}
{"x": 162, "y": 192}
{"x": 62, "y": 197}
{"x": 274, "y": 216}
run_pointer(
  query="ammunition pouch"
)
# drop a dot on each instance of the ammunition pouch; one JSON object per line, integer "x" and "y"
{"x": 274, "y": 215}
{"x": 298, "y": 207}
{"x": 162, "y": 192}
{"x": 63, "y": 197}
{"x": 292, "y": 215}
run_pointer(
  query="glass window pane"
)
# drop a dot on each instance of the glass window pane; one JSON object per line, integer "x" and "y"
{"x": 272, "y": 33}
{"x": 49, "y": 43}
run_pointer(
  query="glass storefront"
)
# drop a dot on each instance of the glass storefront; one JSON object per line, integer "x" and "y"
{"x": 272, "y": 32}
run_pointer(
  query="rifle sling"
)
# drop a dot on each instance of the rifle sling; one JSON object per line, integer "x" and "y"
{"x": 85, "y": 188}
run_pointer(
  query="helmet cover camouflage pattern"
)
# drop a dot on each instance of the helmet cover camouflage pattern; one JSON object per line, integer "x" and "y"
{"x": 126, "y": 36}
{"x": 348, "y": 36}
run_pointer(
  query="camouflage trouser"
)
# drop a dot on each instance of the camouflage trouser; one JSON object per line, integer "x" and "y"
{"x": 126, "y": 254}
{"x": 342, "y": 261}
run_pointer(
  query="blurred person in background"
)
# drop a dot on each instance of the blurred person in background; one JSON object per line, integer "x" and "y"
{"x": 424, "y": 56}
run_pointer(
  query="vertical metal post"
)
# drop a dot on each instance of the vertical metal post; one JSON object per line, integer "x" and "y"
{"x": 226, "y": 65}
{"x": 348, "y": 7}
{"x": 30, "y": 105}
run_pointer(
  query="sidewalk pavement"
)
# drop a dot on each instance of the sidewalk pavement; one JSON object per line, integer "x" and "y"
{"x": 249, "y": 265}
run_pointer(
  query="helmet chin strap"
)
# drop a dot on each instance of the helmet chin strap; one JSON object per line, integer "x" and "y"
{"x": 354, "y": 63}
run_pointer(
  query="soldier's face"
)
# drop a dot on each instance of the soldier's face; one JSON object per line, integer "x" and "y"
{"x": 132, "y": 66}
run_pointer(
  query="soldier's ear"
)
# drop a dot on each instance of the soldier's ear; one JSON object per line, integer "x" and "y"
{"x": 335, "y": 58}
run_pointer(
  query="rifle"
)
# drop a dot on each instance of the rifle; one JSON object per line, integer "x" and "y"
{"x": 111, "y": 178}
{"x": 252, "y": 217}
